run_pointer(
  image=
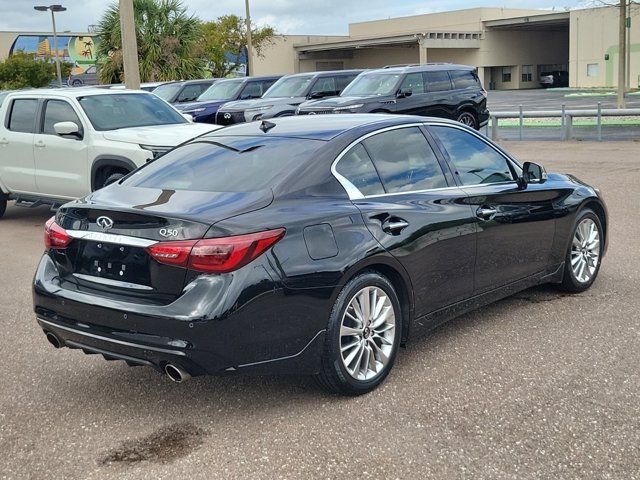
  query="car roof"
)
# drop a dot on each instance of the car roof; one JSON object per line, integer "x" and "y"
{"x": 326, "y": 73}
{"x": 427, "y": 67}
{"x": 319, "y": 127}
{"x": 199, "y": 80}
{"x": 75, "y": 92}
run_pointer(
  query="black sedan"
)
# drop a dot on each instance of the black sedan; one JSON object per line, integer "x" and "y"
{"x": 311, "y": 245}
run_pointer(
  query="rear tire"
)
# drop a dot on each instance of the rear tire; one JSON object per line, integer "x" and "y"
{"x": 358, "y": 355}
{"x": 114, "y": 177}
{"x": 468, "y": 119}
{"x": 77, "y": 83}
{"x": 584, "y": 254}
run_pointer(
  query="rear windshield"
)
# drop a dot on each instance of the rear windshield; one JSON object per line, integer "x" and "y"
{"x": 225, "y": 164}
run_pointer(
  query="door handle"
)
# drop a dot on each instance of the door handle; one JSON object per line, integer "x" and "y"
{"x": 4, "y": 141}
{"x": 394, "y": 225}
{"x": 40, "y": 144}
{"x": 486, "y": 213}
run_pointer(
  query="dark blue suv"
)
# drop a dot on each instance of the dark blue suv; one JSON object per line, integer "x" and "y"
{"x": 206, "y": 106}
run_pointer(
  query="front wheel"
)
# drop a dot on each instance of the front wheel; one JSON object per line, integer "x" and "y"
{"x": 363, "y": 336}
{"x": 3, "y": 204}
{"x": 582, "y": 261}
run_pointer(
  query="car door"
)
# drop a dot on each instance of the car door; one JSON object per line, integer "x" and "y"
{"x": 412, "y": 206}
{"x": 516, "y": 226}
{"x": 416, "y": 103}
{"x": 438, "y": 97}
{"x": 17, "y": 167}
{"x": 62, "y": 167}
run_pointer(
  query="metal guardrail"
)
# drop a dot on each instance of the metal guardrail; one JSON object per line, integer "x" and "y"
{"x": 566, "y": 117}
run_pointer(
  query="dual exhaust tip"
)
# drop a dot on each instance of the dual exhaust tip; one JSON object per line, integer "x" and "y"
{"x": 174, "y": 372}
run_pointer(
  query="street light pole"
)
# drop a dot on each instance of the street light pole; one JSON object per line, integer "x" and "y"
{"x": 249, "y": 40}
{"x": 54, "y": 9}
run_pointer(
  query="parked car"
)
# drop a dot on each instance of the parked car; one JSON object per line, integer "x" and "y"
{"x": 204, "y": 109}
{"x": 434, "y": 90}
{"x": 315, "y": 245}
{"x": 285, "y": 95}
{"x": 88, "y": 77}
{"x": 554, "y": 79}
{"x": 57, "y": 145}
{"x": 184, "y": 91}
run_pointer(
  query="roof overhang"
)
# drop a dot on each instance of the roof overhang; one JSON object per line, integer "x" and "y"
{"x": 546, "y": 21}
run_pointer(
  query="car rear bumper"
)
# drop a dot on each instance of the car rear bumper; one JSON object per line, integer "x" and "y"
{"x": 201, "y": 340}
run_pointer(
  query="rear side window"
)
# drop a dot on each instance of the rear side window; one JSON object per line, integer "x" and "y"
{"x": 405, "y": 161}
{"x": 464, "y": 79}
{"x": 226, "y": 164}
{"x": 437, "y": 81}
{"x": 58, "y": 111}
{"x": 23, "y": 115}
{"x": 475, "y": 161}
{"x": 413, "y": 82}
{"x": 357, "y": 167}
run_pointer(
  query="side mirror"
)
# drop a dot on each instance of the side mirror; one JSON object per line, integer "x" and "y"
{"x": 188, "y": 116}
{"x": 65, "y": 129}
{"x": 407, "y": 92}
{"x": 532, "y": 173}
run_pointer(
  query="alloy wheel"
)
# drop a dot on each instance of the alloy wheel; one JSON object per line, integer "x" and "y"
{"x": 467, "y": 119}
{"x": 367, "y": 333}
{"x": 585, "y": 250}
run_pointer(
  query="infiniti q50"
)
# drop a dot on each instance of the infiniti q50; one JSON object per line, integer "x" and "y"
{"x": 311, "y": 245}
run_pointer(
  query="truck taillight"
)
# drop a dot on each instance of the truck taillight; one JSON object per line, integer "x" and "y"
{"x": 54, "y": 235}
{"x": 216, "y": 255}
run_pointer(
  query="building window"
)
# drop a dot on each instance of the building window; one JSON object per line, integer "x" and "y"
{"x": 506, "y": 74}
{"x": 527, "y": 73}
{"x": 593, "y": 69}
{"x": 324, "y": 66}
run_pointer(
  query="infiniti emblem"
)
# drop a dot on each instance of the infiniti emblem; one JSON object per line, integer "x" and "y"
{"x": 105, "y": 223}
{"x": 227, "y": 116}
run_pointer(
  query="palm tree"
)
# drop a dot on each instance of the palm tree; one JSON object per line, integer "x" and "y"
{"x": 168, "y": 42}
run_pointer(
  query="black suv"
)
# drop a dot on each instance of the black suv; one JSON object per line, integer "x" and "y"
{"x": 434, "y": 90}
{"x": 285, "y": 95}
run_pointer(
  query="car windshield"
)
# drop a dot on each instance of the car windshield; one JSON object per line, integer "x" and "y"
{"x": 126, "y": 110}
{"x": 289, "y": 87}
{"x": 222, "y": 90}
{"x": 372, "y": 84}
{"x": 168, "y": 91}
{"x": 226, "y": 164}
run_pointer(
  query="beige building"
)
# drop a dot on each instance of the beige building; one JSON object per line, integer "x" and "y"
{"x": 510, "y": 47}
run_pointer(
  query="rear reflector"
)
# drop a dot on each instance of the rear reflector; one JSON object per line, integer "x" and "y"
{"x": 215, "y": 255}
{"x": 54, "y": 235}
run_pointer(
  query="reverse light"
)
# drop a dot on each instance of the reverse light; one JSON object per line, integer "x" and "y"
{"x": 216, "y": 255}
{"x": 55, "y": 236}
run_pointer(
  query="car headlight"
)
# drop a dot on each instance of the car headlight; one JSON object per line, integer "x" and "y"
{"x": 156, "y": 150}
{"x": 259, "y": 109}
{"x": 348, "y": 107}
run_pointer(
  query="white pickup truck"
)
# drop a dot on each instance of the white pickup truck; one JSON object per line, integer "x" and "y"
{"x": 61, "y": 144}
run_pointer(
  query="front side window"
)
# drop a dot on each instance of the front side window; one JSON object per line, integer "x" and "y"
{"x": 252, "y": 90}
{"x": 58, "y": 111}
{"x": 405, "y": 161}
{"x": 357, "y": 167}
{"x": 413, "y": 82}
{"x": 344, "y": 80}
{"x": 168, "y": 91}
{"x": 191, "y": 92}
{"x": 475, "y": 161}
{"x": 127, "y": 110}
{"x": 373, "y": 84}
{"x": 222, "y": 90}
{"x": 23, "y": 114}
{"x": 289, "y": 87}
{"x": 437, "y": 81}
{"x": 324, "y": 86}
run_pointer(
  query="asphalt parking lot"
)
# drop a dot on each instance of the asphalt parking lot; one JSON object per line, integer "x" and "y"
{"x": 537, "y": 386}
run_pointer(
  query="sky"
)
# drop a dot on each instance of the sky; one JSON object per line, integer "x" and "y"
{"x": 317, "y": 17}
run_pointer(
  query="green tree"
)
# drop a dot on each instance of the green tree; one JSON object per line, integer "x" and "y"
{"x": 168, "y": 42}
{"x": 225, "y": 40}
{"x": 22, "y": 70}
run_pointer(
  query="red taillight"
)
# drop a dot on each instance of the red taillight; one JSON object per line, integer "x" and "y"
{"x": 216, "y": 255}
{"x": 54, "y": 235}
